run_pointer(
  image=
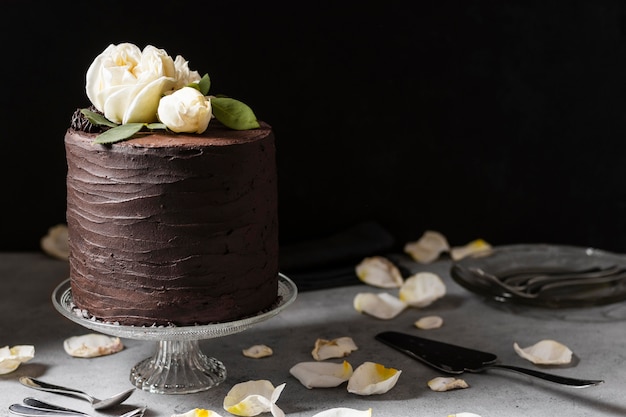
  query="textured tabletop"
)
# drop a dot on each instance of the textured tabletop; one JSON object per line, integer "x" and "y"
{"x": 595, "y": 335}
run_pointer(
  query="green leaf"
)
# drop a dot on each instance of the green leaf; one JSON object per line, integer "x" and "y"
{"x": 97, "y": 119}
{"x": 119, "y": 133}
{"x": 204, "y": 85}
{"x": 156, "y": 126}
{"x": 233, "y": 113}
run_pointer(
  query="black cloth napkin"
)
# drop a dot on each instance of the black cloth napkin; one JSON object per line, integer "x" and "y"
{"x": 330, "y": 261}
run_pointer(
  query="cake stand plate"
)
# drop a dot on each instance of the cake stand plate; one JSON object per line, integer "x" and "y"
{"x": 178, "y": 366}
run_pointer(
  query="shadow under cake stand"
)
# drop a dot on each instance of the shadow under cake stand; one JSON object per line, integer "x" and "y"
{"x": 178, "y": 366}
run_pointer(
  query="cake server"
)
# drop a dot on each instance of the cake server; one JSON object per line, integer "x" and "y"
{"x": 453, "y": 359}
{"x": 96, "y": 403}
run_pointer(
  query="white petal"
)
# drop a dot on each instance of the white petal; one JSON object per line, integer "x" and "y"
{"x": 258, "y": 351}
{"x": 344, "y": 412}
{"x": 429, "y": 322}
{"x": 464, "y": 415}
{"x": 336, "y": 348}
{"x": 252, "y": 398}
{"x": 475, "y": 246}
{"x": 441, "y": 384}
{"x": 545, "y": 352}
{"x": 383, "y": 306}
{"x": 321, "y": 374}
{"x": 379, "y": 272}
{"x": 55, "y": 243}
{"x": 12, "y": 358}
{"x": 422, "y": 289}
{"x": 372, "y": 378}
{"x": 428, "y": 248}
{"x": 92, "y": 345}
{"x": 198, "y": 412}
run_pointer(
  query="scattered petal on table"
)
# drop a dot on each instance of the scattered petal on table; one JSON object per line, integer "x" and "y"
{"x": 198, "y": 412}
{"x": 475, "y": 246}
{"x": 428, "y": 248}
{"x": 429, "y": 322}
{"x": 321, "y": 374}
{"x": 441, "y": 384}
{"x": 383, "y": 306}
{"x": 545, "y": 352}
{"x": 252, "y": 398}
{"x": 372, "y": 378}
{"x": 336, "y": 348}
{"x": 344, "y": 412}
{"x": 379, "y": 272}
{"x": 422, "y": 289}
{"x": 55, "y": 243}
{"x": 258, "y": 351}
{"x": 92, "y": 345}
{"x": 464, "y": 415}
{"x": 12, "y": 358}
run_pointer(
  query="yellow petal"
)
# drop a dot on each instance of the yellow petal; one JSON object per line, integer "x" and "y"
{"x": 422, "y": 289}
{"x": 372, "y": 378}
{"x": 198, "y": 412}
{"x": 379, "y": 272}
{"x": 545, "y": 352}
{"x": 475, "y": 246}
{"x": 336, "y": 348}
{"x": 252, "y": 398}
{"x": 321, "y": 374}
{"x": 382, "y": 306}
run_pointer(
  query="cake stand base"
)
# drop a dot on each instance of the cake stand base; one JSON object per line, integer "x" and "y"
{"x": 178, "y": 367}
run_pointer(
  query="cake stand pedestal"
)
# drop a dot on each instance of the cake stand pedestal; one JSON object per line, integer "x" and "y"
{"x": 178, "y": 366}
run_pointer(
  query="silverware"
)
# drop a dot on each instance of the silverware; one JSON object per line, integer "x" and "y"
{"x": 96, "y": 403}
{"x": 533, "y": 284}
{"x": 33, "y": 407}
{"x": 453, "y": 359}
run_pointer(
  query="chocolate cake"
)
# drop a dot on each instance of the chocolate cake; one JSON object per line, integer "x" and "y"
{"x": 173, "y": 228}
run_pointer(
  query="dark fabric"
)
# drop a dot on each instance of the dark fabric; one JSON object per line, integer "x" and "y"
{"x": 330, "y": 262}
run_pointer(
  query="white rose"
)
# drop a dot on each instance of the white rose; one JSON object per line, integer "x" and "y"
{"x": 126, "y": 84}
{"x": 184, "y": 76}
{"x": 185, "y": 110}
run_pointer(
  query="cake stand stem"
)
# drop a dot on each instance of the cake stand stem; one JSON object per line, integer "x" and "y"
{"x": 178, "y": 367}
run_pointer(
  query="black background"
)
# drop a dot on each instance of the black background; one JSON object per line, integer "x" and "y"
{"x": 494, "y": 119}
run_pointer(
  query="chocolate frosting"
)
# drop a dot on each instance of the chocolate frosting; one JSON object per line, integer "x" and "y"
{"x": 173, "y": 228}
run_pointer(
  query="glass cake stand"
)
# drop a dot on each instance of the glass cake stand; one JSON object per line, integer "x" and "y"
{"x": 178, "y": 366}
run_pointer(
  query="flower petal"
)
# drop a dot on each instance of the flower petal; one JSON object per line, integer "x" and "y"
{"x": 379, "y": 272}
{"x": 441, "y": 383}
{"x": 252, "y": 398}
{"x": 198, "y": 412}
{"x": 428, "y": 248}
{"x": 344, "y": 412}
{"x": 12, "y": 358}
{"x": 545, "y": 352}
{"x": 429, "y": 322}
{"x": 382, "y": 306}
{"x": 372, "y": 378}
{"x": 321, "y": 374}
{"x": 336, "y": 348}
{"x": 92, "y": 345}
{"x": 422, "y": 289}
{"x": 475, "y": 246}
{"x": 258, "y": 351}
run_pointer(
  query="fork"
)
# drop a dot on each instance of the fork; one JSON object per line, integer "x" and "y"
{"x": 33, "y": 407}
